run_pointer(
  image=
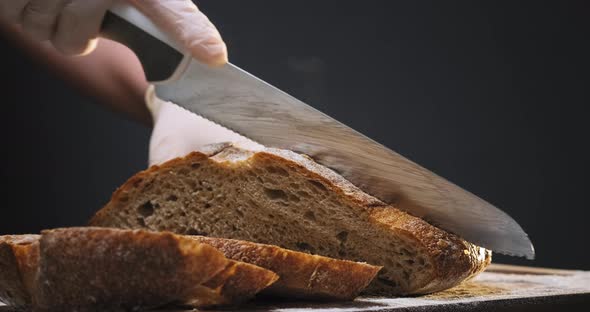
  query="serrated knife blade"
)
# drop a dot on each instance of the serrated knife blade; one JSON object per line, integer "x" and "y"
{"x": 249, "y": 106}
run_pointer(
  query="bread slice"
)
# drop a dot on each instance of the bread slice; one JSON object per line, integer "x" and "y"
{"x": 237, "y": 283}
{"x": 279, "y": 197}
{"x": 19, "y": 256}
{"x": 98, "y": 268}
{"x": 302, "y": 275}
{"x": 92, "y": 267}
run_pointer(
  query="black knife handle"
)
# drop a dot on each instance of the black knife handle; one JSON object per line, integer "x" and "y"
{"x": 159, "y": 60}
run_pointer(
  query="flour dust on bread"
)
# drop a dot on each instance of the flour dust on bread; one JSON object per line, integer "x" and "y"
{"x": 97, "y": 269}
{"x": 279, "y": 197}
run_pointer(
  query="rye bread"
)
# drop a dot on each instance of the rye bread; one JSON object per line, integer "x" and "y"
{"x": 302, "y": 275}
{"x": 279, "y": 197}
{"x": 93, "y": 269}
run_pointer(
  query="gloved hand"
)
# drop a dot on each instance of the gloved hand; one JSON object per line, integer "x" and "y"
{"x": 73, "y": 25}
{"x": 178, "y": 132}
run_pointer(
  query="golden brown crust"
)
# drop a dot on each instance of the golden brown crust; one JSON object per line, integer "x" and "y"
{"x": 456, "y": 260}
{"x": 237, "y": 283}
{"x": 301, "y": 275}
{"x": 453, "y": 258}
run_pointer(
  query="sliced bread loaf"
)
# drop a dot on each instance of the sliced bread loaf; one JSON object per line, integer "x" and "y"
{"x": 279, "y": 197}
{"x": 302, "y": 275}
{"x": 100, "y": 268}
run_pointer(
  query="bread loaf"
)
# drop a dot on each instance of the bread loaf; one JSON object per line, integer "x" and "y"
{"x": 279, "y": 197}
{"x": 100, "y": 268}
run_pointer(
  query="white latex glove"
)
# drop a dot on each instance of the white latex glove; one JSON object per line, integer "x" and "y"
{"x": 73, "y": 25}
{"x": 178, "y": 132}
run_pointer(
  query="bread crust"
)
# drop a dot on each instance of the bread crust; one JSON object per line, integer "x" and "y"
{"x": 237, "y": 283}
{"x": 99, "y": 268}
{"x": 19, "y": 256}
{"x": 454, "y": 259}
{"x": 94, "y": 267}
{"x": 302, "y": 275}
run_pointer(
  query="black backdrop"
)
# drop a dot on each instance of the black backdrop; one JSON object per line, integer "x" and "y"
{"x": 490, "y": 95}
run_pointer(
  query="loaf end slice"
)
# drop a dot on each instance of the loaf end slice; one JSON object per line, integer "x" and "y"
{"x": 283, "y": 198}
{"x": 302, "y": 275}
{"x": 19, "y": 255}
{"x": 94, "y": 267}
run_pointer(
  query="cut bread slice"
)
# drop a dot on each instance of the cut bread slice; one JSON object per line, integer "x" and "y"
{"x": 237, "y": 283}
{"x": 81, "y": 267}
{"x": 302, "y": 275}
{"x": 279, "y": 197}
{"x": 99, "y": 268}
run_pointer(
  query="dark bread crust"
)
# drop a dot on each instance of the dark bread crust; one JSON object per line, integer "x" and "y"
{"x": 96, "y": 267}
{"x": 452, "y": 259}
{"x": 18, "y": 262}
{"x": 301, "y": 275}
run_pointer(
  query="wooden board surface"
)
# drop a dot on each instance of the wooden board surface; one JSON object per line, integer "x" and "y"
{"x": 500, "y": 288}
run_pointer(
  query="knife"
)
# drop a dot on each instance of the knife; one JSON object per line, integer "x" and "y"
{"x": 239, "y": 101}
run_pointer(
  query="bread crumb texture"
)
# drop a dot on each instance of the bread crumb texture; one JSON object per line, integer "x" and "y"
{"x": 283, "y": 198}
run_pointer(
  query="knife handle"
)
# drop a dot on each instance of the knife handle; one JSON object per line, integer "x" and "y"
{"x": 157, "y": 52}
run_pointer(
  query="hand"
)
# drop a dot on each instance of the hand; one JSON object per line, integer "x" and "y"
{"x": 72, "y": 26}
{"x": 178, "y": 132}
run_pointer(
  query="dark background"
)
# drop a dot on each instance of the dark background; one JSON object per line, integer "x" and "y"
{"x": 491, "y": 95}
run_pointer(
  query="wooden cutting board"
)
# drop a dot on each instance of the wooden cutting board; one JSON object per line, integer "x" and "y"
{"x": 500, "y": 288}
